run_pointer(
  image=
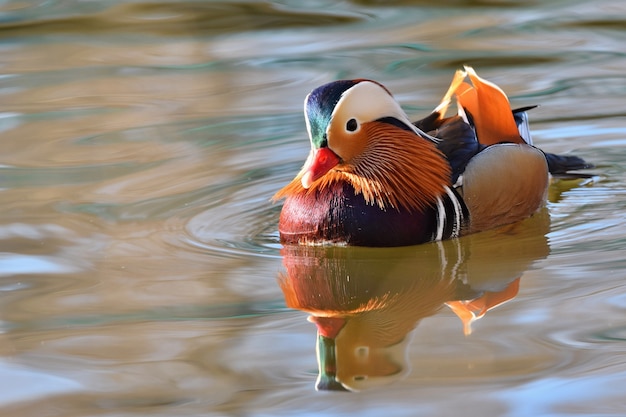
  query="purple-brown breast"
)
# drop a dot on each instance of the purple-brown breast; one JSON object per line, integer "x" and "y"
{"x": 335, "y": 214}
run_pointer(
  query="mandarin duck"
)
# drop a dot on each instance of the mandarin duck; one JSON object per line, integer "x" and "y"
{"x": 374, "y": 178}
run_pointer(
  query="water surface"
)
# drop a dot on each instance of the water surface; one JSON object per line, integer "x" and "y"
{"x": 140, "y": 268}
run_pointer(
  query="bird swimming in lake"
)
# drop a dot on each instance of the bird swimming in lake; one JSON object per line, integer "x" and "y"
{"x": 374, "y": 178}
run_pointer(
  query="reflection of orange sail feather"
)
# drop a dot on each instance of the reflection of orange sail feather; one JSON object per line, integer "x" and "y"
{"x": 471, "y": 310}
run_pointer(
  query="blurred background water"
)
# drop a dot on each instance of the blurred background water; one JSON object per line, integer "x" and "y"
{"x": 140, "y": 268}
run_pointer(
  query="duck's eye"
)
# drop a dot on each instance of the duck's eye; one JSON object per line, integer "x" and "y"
{"x": 352, "y": 125}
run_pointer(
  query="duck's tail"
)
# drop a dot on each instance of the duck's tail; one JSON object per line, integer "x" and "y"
{"x": 562, "y": 165}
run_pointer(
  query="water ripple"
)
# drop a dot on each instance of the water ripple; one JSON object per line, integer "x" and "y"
{"x": 166, "y": 19}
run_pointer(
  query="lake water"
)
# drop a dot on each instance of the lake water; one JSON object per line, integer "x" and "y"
{"x": 140, "y": 268}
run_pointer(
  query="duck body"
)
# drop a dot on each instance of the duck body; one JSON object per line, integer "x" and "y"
{"x": 337, "y": 215}
{"x": 373, "y": 178}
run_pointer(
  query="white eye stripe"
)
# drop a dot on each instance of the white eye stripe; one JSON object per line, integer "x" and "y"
{"x": 367, "y": 101}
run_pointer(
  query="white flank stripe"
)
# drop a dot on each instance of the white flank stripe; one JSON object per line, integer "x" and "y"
{"x": 441, "y": 219}
{"x": 458, "y": 213}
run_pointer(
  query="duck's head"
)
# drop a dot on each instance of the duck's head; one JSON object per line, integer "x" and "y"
{"x": 360, "y": 134}
{"x": 344, "y": 118}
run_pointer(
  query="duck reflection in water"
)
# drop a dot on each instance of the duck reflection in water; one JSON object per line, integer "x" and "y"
{"x": 365, "y": 302}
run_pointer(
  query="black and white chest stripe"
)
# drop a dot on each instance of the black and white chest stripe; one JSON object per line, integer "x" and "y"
{"x": 452, "y": 215}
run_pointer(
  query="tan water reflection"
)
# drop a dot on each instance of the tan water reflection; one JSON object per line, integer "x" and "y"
{"x": 365, "y": 302}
